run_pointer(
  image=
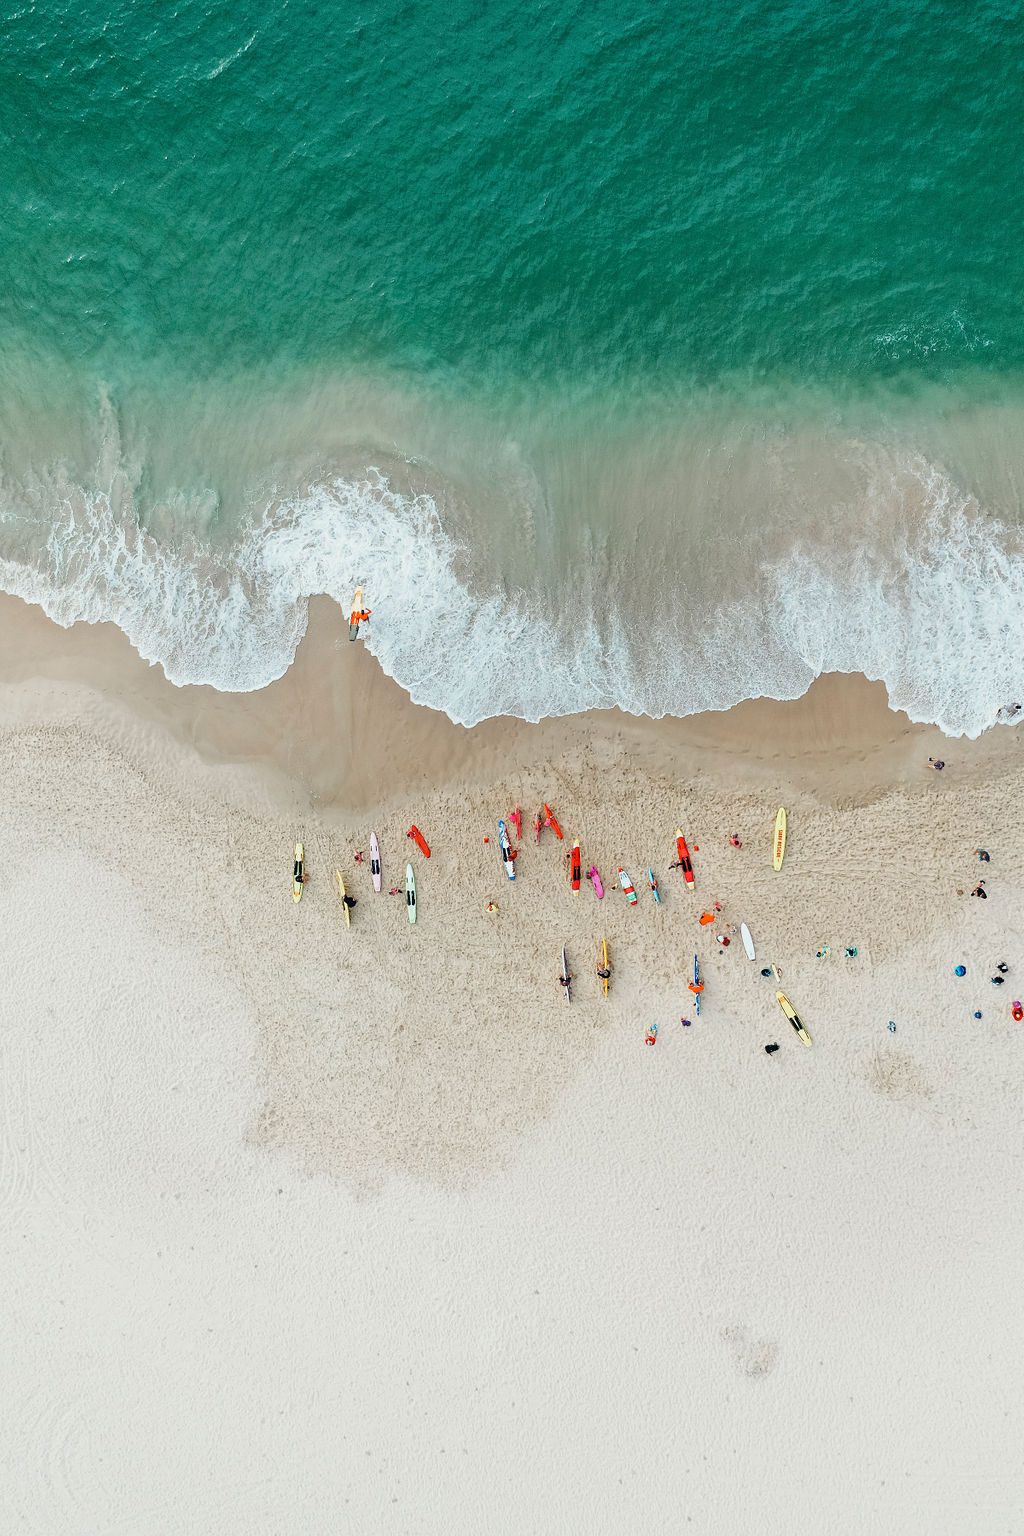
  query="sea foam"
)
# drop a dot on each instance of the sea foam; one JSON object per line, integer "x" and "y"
{"x": 920, "y": 590}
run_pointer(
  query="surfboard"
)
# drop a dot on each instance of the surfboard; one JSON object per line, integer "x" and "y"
{"x": 697, "y": 987}
{"x": 595, "y": 880}
{"x": 627, "y": 886}
{"x": 553, "y": 822}
{"x": 537, "y": 824}
{"x": 574, "y": 865}
{"x": 793, "y": 1017}
{"x": 375, "y": 861}
{"x": 339, "y": 880}
{"x": 748, "y": 941}
{"x": 298, "y": 870}
{"x": 683, "y": 855}
{"x": 567, "y": 989}
{"x": 506, "y": 851}
{"x": 357, "y": 607}
{"x": 420, "y": 841}
{"x": 652, "y": 881}
{"x": 410, "y": 892}
{"x": 605, "y": 966}
{"x": 516, "y": 819}
{"x": 779, "y": 842}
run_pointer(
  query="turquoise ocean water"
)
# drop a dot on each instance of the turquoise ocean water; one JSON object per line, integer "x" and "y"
{"x": 658, "y": 356}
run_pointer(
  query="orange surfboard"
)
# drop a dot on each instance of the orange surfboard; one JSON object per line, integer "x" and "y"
{"x": 556, "y": 829}
{"x": 420, "y": 841}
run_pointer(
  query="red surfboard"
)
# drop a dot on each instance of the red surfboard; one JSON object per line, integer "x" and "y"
{"x": 683, "y": 855}
{"x": 516, "y": 819}
{"x": 575, "y": 866}
{"x": 552, "y": 823}
{"x": 420, "y": 841}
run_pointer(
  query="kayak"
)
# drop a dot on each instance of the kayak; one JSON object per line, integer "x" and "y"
{"x": 793, "y": 1017}
{"x": 779, "y": 842}
{"x": 652, "y": 881}
{"x": 357, "y": 608}
{"x": 420, "y": 841}
{"x": 298, "y": 870}
{"x": 339, "y": 880}
{"x": 410, "y": 892}
{"x": 697, "y": 986}
{"x": 604, "y": 965}
{"x": 683, "y": 855}
{"x": 574, "y": 865}
{"x": 566, "y": 977}
{"x": 375, "y": 861}
{"x": 627, "y": 886}
{"x": 552, "y": 822}
{"x": 595, "y": 880}
{"x": 516, "y": 819}
{"x": 748, "y": 941}
{"x": 506, "y": 851}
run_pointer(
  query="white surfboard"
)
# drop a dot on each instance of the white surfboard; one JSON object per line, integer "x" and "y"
{"x": 375, "y": 860}
{"x": 748, "y": 941}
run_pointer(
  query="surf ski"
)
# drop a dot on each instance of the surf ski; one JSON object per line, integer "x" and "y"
{"x": 506, "y": 851}
{"x": 574, "y": 866}
{"x": 683, "y": 857}
{"x": 793, "y": 1017}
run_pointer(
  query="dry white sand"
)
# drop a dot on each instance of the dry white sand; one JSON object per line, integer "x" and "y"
{"x": 311, "y": 1230}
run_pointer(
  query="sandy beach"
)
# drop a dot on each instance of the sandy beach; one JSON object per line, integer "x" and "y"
{"x": 310, "y": 1229}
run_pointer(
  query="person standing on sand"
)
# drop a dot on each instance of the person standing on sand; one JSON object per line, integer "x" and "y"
{"x": 937, "y": 763}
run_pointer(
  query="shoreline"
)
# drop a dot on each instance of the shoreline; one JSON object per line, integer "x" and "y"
{"x": 337, "y": 726}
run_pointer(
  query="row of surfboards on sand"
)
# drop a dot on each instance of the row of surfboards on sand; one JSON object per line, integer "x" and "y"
{"x": 299, "y": 875}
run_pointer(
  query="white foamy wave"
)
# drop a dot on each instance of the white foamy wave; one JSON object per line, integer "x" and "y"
{"x": 917, "y": 589}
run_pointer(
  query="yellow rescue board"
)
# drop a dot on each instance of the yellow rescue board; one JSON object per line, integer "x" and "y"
{"x": 298, "y": 870}
{"x": 779, "y": 843}
{"x": 793, "y": 1017}
{"x": 339, "y": 880}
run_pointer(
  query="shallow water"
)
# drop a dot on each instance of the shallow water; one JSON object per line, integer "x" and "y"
{"x": 658, "y": 362}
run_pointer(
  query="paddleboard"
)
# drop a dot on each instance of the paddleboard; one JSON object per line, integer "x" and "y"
{"x": 793, "y": 1017}
{"x": 595, "y": 880}
{"x": 357, "y": 607}
{"x": 420, "y": 841}
{"x": 627, "y": 886}
{"x": 410, "y": 892}
{"x": 779, "y": 843}
{"x": 506, "y": 851}
{"x": 298, "y": 870}
{"x": 567, "y": 989}
{"x": 683, "y": 855}
{"x": 553, "y": 822}
{"x": 652, "y": 881}
{"x": 605, "y": 965}
{"x": 748, "y": 941}
{"x": 574, "y": 866}
{"x": 339, "y": 880}
{"x": 375, "y": 861}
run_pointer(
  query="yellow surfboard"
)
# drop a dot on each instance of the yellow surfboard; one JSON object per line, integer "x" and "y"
{"x": 793, "y": 1017}
{"x": 779, "y": 843}
{"x": 339, "y": 880}
{"x": 605, "y": 965}
{"x": 298, "y": 870}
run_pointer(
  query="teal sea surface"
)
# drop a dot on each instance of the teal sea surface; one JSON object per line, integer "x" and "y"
{"x": 658, "y": 356}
